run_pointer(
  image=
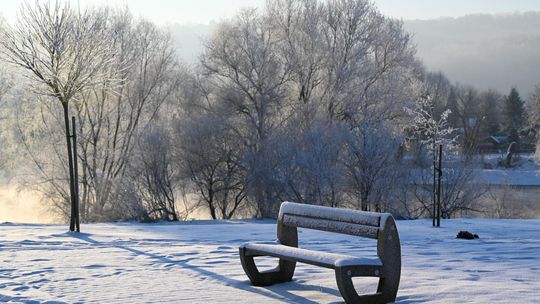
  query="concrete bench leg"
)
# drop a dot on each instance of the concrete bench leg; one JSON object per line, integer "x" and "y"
{"x": 344, "y": 276}
{"x": 282, "y": 273}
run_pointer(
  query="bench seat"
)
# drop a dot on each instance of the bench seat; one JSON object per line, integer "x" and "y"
{"x": 318, "y": 258}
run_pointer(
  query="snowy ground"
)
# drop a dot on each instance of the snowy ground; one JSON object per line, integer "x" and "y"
{"x": 198, "y": 263}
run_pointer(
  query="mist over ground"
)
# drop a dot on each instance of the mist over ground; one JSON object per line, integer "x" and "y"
{"x": 22, "y": 206}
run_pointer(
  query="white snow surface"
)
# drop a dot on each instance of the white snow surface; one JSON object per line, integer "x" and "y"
{"x": 197, "y": 262}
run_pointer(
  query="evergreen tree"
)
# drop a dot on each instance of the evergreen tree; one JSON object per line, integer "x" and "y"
{"x": 514, "y": 111}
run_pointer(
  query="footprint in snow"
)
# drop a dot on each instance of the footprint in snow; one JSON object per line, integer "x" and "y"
{"x": 39, "y": 281}
{"x": 94, "y": 266}
{"x": 215, "y": 262}
{"x": 21, "y": 288}
{"x": 40, "y": 260}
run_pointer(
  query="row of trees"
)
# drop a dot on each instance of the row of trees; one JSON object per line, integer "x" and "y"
{"x": 315, "y": 102}
{"x": 113, "y": 73}
{"x": 476, "y": 115}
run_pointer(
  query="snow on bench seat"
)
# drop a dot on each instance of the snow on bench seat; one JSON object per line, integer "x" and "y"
{"x": 323, "y": 259}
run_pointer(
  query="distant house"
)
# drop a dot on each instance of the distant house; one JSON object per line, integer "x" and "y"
{"x": 527, "y": 139}
{"x": 499, "y": 144}
{"x": 493, "y": 144}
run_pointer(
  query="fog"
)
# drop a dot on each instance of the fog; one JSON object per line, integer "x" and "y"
{"x": 22, "y": 206}
{"x": 486, "y": 51}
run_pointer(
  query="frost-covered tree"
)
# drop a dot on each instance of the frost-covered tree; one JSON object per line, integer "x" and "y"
{"x": 460, "y": 193}
{"x": 138, "y": 76}
{"x": 308, "y": 164}
{"x": 533, "y": 115}
{"x": 6, "y": 83}
{"x": 432, "y": 131}
{"x": 113, "y": 115}
{"x": 64, "y": 51}
{"x": 471, "y": 118}
{"x": 371, "y": 161}
{"x": 209, "y": 155}
{"x": 155, "y": 179}
{"x": 299, "y": 62}
{"x": 533, "y": 108}
{"x": 430, "y": 128}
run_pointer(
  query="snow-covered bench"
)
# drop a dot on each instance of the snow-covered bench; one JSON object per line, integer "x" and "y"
{"x": 379, "y": 226}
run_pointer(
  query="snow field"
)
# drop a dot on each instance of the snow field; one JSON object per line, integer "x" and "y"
{"x": 198, "y": 262}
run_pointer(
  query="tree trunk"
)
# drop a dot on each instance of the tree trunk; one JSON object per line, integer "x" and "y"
{"x": 364, "y": 203}
{"x": 70, "y": 163}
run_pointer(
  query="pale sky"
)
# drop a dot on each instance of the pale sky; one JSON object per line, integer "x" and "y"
{"x": 205, "y": 11}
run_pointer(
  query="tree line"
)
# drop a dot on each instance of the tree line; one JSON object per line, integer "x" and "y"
{"x": 314, "y": 102}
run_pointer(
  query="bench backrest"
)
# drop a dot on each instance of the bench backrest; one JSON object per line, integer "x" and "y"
{"x": 379, "y": 226}
{"x": 353, "y": 222}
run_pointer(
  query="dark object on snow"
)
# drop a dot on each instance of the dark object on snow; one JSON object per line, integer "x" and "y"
{"x": 378, "y": 226}
{"x": 512, "y": 149}
{"x": 467, "y": 235}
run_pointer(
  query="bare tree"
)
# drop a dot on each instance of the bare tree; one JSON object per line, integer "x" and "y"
{"x": 297, "y": 62}
{"x": 247, "y": 71}
{"x": 156, "y": 177}
{"x": 248, "y": 78}
{"x": 112, "y": 115}
{"x": 533, "y": 107}
{"x": 344, "y": 57}
{"x": 533, "y": 113}
{"x": 371, "y": 160}
{"x": 211, "y": 160}
{"x": 306, "y": 164}
{"x": 460, "y": 192}
{"x": 117, "y": 102}
{"x": 468, "y": 111}
{"x": 64, "y": 52}
{"x": 5, "y": 84}
{"x": 404, "y": 192}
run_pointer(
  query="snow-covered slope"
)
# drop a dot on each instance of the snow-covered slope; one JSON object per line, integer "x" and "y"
{"x": 198, "y": 263}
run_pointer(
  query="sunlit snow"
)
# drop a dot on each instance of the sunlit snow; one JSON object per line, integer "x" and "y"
{"x": 198, "y": 262}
